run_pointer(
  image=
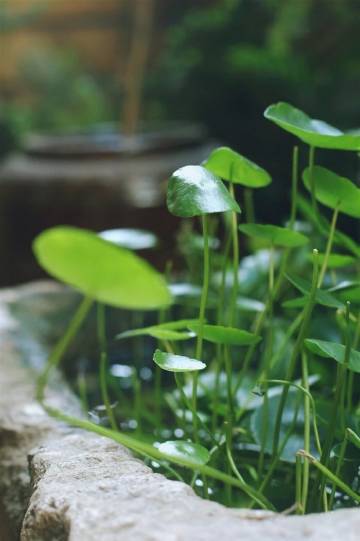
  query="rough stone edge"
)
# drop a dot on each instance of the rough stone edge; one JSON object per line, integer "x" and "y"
{"x": 60, "y": 484}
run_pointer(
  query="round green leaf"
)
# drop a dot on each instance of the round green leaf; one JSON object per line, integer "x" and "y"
{"x": 133, "y": 239}
{"x": 314, "y": 132}
{"x": 99, "y": 269}
{"x": 334, "y": 191}
{"x": 225, "y": 335}
{"x": 278, "y": 236}
{"x": 194, "y": 191}
{"x": 192, "y": 452}
{"x": 177, "y": 363}
{"x": 334, "y": 351}
{"x": 231, "y": 166}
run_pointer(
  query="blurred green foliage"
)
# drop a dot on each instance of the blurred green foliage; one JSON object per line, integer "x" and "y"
{"x": 225, "y": 64}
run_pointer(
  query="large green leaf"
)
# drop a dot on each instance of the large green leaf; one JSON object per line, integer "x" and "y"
{"x": 194, "y": 191}
{"x": 133, "y": 239}
{"x": 314, "y": 132}
{"x": 177, "y": 363}
{"x": 171, "y": 330}
{"x": 192, "y": 452}
{"x": 100, "y": 269}
{"x": 278, "y": 236}
{"x": 231, "y": 166}
{"x": 334, "y": 351}
{"x": 225, "y": 335}
{"x": 334, "y": 191}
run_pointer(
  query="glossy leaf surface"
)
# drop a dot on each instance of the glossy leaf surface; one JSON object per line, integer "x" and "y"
{"x": 316, "y": 133}
{"x": 192, "y": 452}
{"x": 195, "y": 191}
{"x": 177, "y": 363}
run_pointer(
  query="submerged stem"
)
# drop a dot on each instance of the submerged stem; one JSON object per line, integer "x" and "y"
{"x": 203, "y": 301}
{"x": 297, "y": 348}
{"x": 329, "y": 245}
{"x": 62, "y": 345}
{"x": 103, "y": 366}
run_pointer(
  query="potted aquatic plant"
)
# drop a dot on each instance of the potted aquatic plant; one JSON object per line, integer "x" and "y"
{"x": 255, "y": 400}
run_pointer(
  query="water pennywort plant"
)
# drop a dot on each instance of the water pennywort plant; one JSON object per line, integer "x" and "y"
{"x": 255, "y": 346}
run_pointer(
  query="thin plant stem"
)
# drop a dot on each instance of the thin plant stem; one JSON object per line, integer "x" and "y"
{"x": 137, "y": 398}
{"x": 307, "y": 393}
{"x": 305, "y": 384}
{"x": 331, "y": 476}
{"x": 312, "y": 180}
{"x": 103, "y": 367}
{"x": 338, "y": 405}
{"x": 158, "y": 371}
{"x": 298, "y": 487}
{"x": 250, "y": 491}
{"x": 203, "y": 302}
{"x": 328, "y": 245}
{"x": 339, "y": 464}
{"x": 150, "y": 451}
{"x": 307, "y": 311}
{"x": 294, "y": 185}
{"x": 62, "y": 345}
{"x": 82, "y": 389}
{"x": 266, "y": 370}
{"x": 249, "y": 205}
{"x": 235, "y": 260}
{"x": 262, "y": 319}
{"x": 277, "y": 457}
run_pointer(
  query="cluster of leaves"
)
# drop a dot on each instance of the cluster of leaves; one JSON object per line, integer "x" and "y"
{"x": 254, "y": 404}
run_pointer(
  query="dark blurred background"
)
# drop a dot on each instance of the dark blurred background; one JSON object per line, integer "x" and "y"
{"x": 101, "y": 100}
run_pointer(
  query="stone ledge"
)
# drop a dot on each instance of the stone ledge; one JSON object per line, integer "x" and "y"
{"x": 61, "y": 484}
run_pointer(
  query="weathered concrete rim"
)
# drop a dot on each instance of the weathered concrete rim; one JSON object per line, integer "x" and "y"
{"x": 58, "y": 483}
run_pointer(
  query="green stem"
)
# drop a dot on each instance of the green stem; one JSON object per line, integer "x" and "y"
{"x": 294, "y": 185}
{"x": 298, "y": 487}
{"x": 339, "y": 464}
{"x": 148, "y": 450}
{"x": 62, "y": 345}
{"x": 235, "y": 242}
{"x": 262, "y": 319}
{"x": 137, "y": 399}
{"x": 305, "y": 383}
{"x": 312, "y": 180}
{"x": 338, "y": 405}
{"x": 297, "y": 349}
{"x": 329, "y": 245}
{"x": 267, "y": 365}
{"x": 249, "y": 206}
{"x": 331, "y": 476}
{"x": 103, "y": 367}
{"x": 203, "y": 301}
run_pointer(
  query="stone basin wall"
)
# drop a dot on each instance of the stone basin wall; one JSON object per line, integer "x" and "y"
{"x": 62, "y": 484}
